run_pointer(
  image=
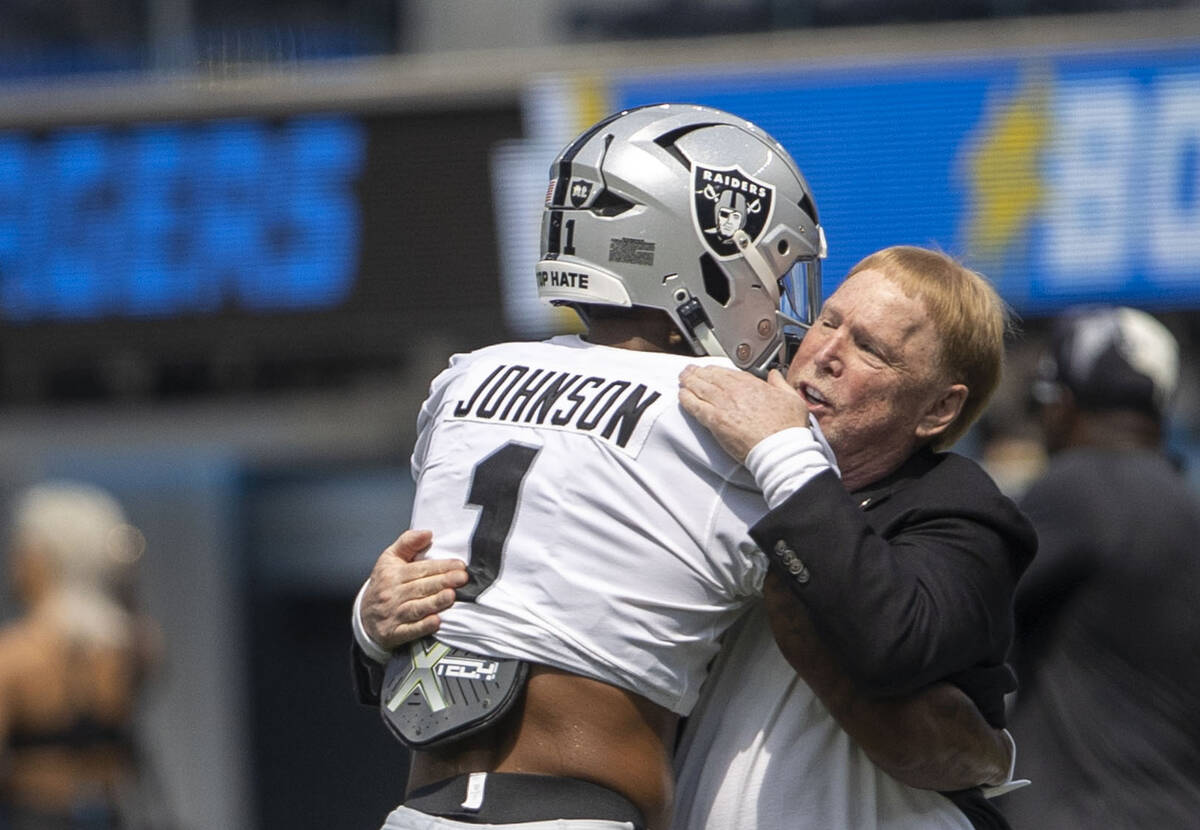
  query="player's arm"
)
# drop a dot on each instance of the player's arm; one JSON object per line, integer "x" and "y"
{"x": 933, "y": 739}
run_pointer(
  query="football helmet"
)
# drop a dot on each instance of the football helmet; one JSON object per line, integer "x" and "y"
{"x": 693, "y": 211}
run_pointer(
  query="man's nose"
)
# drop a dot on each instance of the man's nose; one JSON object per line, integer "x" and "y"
{"x": 828, "y": 357}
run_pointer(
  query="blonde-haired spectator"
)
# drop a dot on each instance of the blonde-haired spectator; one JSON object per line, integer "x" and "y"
{"x": 72, "y": 665}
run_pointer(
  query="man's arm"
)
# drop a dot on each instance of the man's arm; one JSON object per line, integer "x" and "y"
{"x": 399, "y": 603}
{"x": 925, "y": 596}
{"x": 927, "y": 733}
{"x": 905, "y": 610}
{"x": 404, "y": 594}
{"x": 934, "y": 739}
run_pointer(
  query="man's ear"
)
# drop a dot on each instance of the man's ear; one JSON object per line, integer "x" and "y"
{"x": 942, "y": 411}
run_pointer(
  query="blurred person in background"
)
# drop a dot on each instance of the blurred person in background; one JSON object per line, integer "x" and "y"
{"x": 1108, "y": 639}
{"x": 1010, "y": 445}
{"x": 72, "y": 666}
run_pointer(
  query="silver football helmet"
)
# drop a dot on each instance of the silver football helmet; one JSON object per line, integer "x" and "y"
{"x": 693, "y": 211}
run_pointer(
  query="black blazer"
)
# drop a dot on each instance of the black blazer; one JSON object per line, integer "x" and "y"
{"x": 909, "y": 580}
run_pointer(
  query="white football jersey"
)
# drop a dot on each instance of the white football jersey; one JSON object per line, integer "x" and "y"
{"x": 605, "y": 531}
{"x": 761, "y": 752}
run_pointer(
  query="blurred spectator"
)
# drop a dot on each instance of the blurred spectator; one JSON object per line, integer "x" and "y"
{"x": 1012, "y": 458}
{"x": 72, "y": 665}
{"x": 1108, "y": 639}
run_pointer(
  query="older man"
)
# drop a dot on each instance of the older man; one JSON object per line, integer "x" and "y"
{"x": 905, "y": 567}
{"x": 896, "y": 576}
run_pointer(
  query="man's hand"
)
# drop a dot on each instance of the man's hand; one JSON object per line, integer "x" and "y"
{"x": 402, "y": 601}
{"x": 739, "y": 409}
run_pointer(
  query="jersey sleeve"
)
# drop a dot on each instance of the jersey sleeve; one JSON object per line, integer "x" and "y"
{"x": 427, "y": 416}
{"x": 734, "y": 504}
{"x": 736, "y": 509}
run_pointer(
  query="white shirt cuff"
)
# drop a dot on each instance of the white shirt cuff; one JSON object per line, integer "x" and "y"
{"x": 1010, "y": 783}
{"x": 784, "y": 462}
{"x": 371, "y": 648}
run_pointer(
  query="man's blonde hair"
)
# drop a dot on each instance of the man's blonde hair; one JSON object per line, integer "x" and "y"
{"x": 969, "y": 317}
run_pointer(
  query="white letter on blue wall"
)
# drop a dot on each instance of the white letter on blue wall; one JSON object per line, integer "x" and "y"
{"x": 1173, "y": 182}
{"x": 1087, "y": 184}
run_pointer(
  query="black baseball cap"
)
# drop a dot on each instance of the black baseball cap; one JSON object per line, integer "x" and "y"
{"x": 1110, "y": 357}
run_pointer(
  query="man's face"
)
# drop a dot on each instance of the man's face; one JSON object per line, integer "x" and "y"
{"x": 868, "y": 368}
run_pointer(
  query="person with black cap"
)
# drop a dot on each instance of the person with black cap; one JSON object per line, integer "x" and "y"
{"x": 1107, "y": 648}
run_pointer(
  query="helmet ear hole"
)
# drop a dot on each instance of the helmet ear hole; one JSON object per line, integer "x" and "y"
{"x": 610, "y": 204}
{"x": 716, "y": 281}
{"x": 783, "y": 247}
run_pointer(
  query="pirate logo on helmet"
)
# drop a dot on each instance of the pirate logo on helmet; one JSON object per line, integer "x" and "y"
{"x": 580, "y": 190}
{"x": 726, "y": 200}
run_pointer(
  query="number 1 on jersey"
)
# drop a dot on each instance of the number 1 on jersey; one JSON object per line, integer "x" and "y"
{"x": 495, "y": 488}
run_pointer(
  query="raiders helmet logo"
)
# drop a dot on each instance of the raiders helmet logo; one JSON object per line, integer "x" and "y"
{"x": 726, "y": 200}
{"x": 580, "y": 190}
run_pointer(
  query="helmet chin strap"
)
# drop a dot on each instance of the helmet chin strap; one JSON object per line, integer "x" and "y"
{"x": 692, "y": 314}
{"x": 708, "y": 340}
{"x": 768, "y": 278}
{"x": 758, "y": 263}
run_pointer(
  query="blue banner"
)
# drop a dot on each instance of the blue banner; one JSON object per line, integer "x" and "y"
{"x": 1066, "y": 178}
{"x": 163, "y": 219}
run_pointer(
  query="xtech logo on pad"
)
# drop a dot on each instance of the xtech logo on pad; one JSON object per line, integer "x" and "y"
{"x": 726, "y": 200}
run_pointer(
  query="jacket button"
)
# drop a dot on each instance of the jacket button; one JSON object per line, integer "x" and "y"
{"x": 792, "y": 562}
{"x": 798, "y": 570}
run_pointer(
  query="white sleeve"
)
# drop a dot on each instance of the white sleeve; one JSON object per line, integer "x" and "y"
{"x": 784, "y": 462}
{"x": 737, "y": 508}
{"x": 371, "y": 648}
{"x": 429, "y": 410}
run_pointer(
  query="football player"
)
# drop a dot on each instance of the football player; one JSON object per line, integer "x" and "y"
{"x": 605, "y": 533}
